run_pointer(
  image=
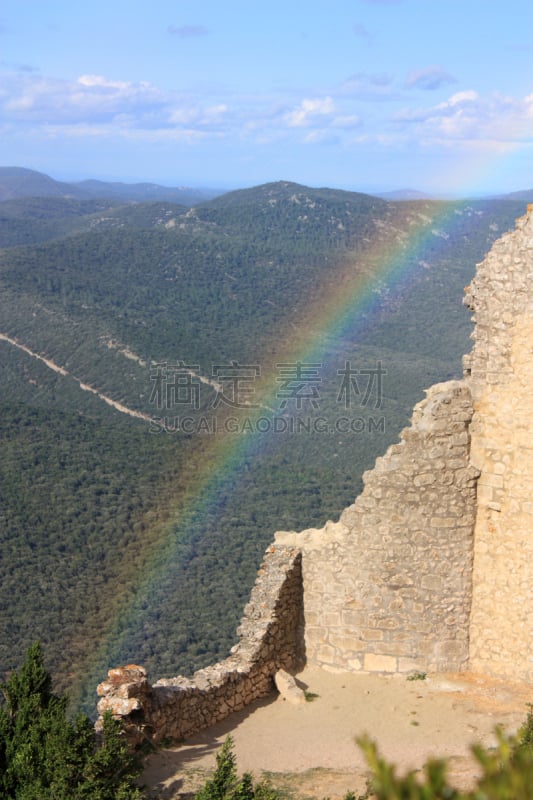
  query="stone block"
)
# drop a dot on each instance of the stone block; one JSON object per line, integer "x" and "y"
{"x": 491, "y": 478}
{"x": 332, "y": 619}
{"x": 127, "y": 674}
{"x": 315, "y": 635}
{"x": 424, "y": 479}
{"x": 443, "y": 522}
{"x": 485, "y": 493}
{"x": 371, "y": 635}
{"x": 326, "y": 653}
{"x": 346, "y": 642}
{"x": 374, "y": 662}
{"x": 353, "y": 620}
{"x": 288, "y": 688}
{"x": 119, "y": 707}
{"x": 433, "y": 582}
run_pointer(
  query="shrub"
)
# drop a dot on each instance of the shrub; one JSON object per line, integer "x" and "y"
{"x": 506, "y": 772}
{"x": 525, "y": 733}
{"x": 43, "y": 756}
{"x": 226, "y": 785}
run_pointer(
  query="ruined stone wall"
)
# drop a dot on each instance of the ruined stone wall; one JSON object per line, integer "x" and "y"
{"x": 500, "y": 370}
{"x": 271, "y": 638}
{"x": 388, "y": 587}
{"x": 419, "y": 572}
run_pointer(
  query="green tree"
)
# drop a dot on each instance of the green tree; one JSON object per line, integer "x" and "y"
{"x": 506, "y": 772}
{"x": 43, "y": 755}
{"x": 226, "y": 785}
{"x": 525, "y": 733}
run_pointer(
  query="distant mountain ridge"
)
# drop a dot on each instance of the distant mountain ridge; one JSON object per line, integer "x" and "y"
{"x": 525, "y": 194}
{"x": 284, "y": 190}
{"x": 405, "y": 194}
{"x": 21, "y": 182}
{"x": 18, "y": 182}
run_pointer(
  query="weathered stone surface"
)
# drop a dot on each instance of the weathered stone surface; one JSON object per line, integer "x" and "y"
{"x": 500, "y": 372}
{"x": 118, "y": 706}
{"x": 288, "y": 688}
{"x": 271, "y": 638}
{"x": 375, "y": 662}
{"x": 405, "y": 566}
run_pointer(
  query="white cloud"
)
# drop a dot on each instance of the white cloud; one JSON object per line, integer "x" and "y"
{"x": 91, "y": 97}
{"x": 102, "y": 106}
{"x": 111, "y": 131}
{"x": 309, "y": 110}
{"x": 449, "y": 107}
{"x": 467, "y": 116}
{"x": 188, "y": 115}
{"x": 96, "y": 101}
{"x": 100, "y": 81}
{"x": 460, "y": 98}
{"x": 322, "y": 120}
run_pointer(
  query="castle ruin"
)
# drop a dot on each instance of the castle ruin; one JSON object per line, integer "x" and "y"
{"x": 429, "y": 569}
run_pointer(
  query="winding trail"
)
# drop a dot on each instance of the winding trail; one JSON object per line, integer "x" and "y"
{"x": 85, "y": 386}
{"x": 123, "y": 350}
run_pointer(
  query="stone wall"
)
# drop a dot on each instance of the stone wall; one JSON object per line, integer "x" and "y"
{"x": 388, "y": 587}
{"x": 271, "y": 638}
{"x": 500, "y": 372}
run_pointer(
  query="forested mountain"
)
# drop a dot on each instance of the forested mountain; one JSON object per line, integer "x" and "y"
{"x": 17, "y": 182}
{"x": 524, "y": 196}
{"x": 129, "y": 536}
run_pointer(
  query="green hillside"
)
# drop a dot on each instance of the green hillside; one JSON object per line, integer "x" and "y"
{"x": 128, "y": 538}
{"x": 20, "y": 182}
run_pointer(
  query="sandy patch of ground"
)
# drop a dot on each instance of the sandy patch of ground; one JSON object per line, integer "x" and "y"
{"x": 310, "y": 749}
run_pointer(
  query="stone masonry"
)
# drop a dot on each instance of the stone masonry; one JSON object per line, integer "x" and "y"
{"x": 500, "y": 373}
{"x": 429, "y": 569}
{"x": 271, "y": 638}
{"x": 388, "y": 587}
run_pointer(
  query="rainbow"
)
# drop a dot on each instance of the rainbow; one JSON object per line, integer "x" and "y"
{"x": 391, "y": 259}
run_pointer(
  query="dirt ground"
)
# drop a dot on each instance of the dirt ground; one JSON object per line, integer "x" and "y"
{"x": 310, "y": 750}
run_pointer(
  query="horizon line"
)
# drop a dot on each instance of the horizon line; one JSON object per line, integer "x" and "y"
{"x": 374, "y": 191}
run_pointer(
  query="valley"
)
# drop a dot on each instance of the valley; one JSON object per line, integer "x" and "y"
{"x": 123, "y": 540}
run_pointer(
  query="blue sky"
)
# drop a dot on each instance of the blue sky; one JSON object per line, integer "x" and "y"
{"x": 356, "y": 94}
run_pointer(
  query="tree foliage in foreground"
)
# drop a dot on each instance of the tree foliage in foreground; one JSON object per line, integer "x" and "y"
{"x": 226, "y": 784}
{"x": 44, "y": 756}
{"x": 506, "y": 773}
